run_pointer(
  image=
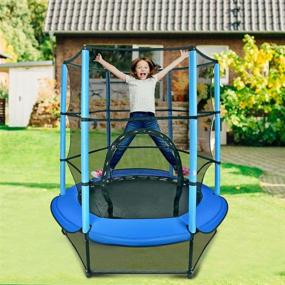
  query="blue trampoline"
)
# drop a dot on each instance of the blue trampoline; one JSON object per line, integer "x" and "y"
{"x": 138, "y": 219}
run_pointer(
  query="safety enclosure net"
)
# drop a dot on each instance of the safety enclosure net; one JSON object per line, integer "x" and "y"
{"x": 109, "y": 111}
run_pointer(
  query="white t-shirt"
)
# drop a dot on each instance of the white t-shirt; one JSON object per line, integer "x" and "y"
{"x": 141, "y": 94}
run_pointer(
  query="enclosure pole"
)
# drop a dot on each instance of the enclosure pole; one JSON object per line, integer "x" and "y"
{"x": 217, "y": 128}
{"x": 85, "y": 139}
{"x": 63, "y": 127}
{"x": 169, "y": 107}
{"x": 108, "y": 102}
{"x": 193, "y": 140}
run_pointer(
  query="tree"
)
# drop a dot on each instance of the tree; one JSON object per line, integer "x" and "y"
{"x": 21, "y": 28}
{"x": 38, "y": 10}
{"x": 255, "y": 104}
{"x": 16, "y": 29}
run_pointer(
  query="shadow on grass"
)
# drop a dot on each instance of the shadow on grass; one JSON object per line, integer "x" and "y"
{"x": 243, "y": 170}
{"x": 51, "y": 186}
{"x": 232, "y": 169}
{"x": 241, "y": 189}
{"x": 239, "y": 171}
{"x": 6, "y": 128}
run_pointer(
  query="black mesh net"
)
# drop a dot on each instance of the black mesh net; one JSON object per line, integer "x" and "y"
{"x": 205, "y": 101}
{"x": 171, "y": 258}
{"x": 109, "y": 111}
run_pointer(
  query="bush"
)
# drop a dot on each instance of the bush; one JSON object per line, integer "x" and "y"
{"x": 255, "y": 104}
{"x": 46, "y": 111}
{"x": 3, "y": 92}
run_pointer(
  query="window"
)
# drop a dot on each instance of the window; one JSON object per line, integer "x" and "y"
{"x": 122, "y": 60}
{"x": 211, "y": 50}
{"x": 156, "y": 55}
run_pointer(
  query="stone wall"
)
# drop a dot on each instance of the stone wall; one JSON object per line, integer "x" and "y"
{"x": 46, "y": 110}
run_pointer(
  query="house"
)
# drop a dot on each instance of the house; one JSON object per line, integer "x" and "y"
{"x": 210, "y": 25}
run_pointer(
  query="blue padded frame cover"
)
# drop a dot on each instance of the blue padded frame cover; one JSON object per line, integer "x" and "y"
{"x": 139, "y": 232}
{"x": 211, "y": 211}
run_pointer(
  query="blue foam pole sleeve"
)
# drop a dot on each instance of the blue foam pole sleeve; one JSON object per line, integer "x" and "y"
{"x": 85, "y": 139}
{"x": 63, "y": 127}
{"x": 193, "y": 139}
{"x": 217, "y": 128}
{"x": 169, "y": 107}
{"x": 108, "y": 102}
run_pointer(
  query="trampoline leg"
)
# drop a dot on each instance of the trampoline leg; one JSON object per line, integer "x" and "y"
{"x": 88, "y": 273}
{"x": 190, "y": 266}
{"x": 190, "y": 274}
{"x": 197, "y": 246}
{"x": 87, "y": 269}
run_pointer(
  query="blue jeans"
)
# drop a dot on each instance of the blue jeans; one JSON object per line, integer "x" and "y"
{"x": 151, "y": 124}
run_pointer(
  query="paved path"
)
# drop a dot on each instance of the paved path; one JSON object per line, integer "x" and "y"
{"x": 270, "y": 159}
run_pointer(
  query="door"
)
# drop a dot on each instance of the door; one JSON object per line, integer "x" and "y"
{"x": 23, "y": 91}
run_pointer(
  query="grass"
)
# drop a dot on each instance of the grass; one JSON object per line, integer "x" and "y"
{"x": 237, "y": 179}
{"x": 248, "y": 249}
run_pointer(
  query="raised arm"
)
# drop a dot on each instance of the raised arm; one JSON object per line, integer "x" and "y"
{"x": 119, "y": 74}
{"x": 162, "y": 73}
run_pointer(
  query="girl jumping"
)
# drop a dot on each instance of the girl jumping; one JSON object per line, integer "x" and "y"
{"x": 142, "y": 81}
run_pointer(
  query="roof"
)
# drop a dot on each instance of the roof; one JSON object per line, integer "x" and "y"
{"x": 165, "y": 16}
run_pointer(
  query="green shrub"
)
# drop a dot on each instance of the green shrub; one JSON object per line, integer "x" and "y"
{"x": 255, "y": 104}
{"x": 3, "y": 92}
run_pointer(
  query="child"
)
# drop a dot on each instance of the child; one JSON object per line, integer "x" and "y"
{"x": 142, "y": 81}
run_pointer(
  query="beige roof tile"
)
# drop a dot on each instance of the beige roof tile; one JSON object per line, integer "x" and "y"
{"x": 148, "y": 16}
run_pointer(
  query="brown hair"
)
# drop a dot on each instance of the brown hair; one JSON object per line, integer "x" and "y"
{"x": 152, "y": 66}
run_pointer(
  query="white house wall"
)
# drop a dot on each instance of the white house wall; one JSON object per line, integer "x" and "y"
{"x": 24, "y": 84}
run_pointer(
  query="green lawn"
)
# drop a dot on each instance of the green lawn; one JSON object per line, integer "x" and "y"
{"x": 248, "y": 249}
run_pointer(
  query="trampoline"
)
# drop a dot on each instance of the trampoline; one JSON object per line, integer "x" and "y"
{"x": 142, "y": 217}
